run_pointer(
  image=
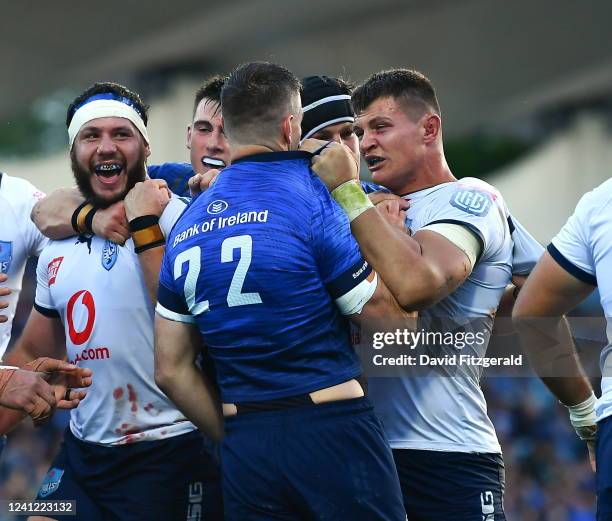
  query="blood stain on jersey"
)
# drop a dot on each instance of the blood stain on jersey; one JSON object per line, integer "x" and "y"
{"x": 132, "y": 397}
{"x": 109, "y": 255}
{"x": 118, "y": 393}
{"x": 472, "y": 201}
{"x": 150, "y": 408}
{"x": 6, "y": 254}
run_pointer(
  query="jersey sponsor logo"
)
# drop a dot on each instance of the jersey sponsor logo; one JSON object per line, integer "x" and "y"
{"x": 91, "y": 353}
{"x": 472, "y": 201}
{"x": 74, "y": 313}
{"x": 6, "y": 254}
{"x": 216, "y": 207}
{"x": 221, "y": 222}
{"x": 110, "y": 252}
{"x": 51, "y": 482}
{"x": 52, "y": 269}
{"x": 361, "y": 270}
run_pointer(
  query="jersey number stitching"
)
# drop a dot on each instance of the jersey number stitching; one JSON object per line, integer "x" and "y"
{"x": 235, "y": 296}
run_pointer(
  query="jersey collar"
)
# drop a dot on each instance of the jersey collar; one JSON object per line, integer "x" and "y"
{"x": 266, "y": 157}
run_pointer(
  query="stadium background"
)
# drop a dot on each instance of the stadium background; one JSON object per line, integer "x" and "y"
{"x": 526, "y": 94}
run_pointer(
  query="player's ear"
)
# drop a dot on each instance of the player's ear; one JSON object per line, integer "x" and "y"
{"x": 432, "y": 125}
{"x": 147, "y": 150}
{"x": 287, "y": 131}
{"x": 188, "y": 137}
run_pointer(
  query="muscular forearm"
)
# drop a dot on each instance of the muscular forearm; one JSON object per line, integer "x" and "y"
{"x": 188, "y": 388}
{"x": 548, "y": 344}
{"x": 398, "y": 260}
{"x": 52, "y": 215}
{"x": 150, "y": 263}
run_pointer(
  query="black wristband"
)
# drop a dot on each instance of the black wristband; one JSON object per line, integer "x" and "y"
{"x": 75, "y": 216}
{"x": 140, "y": 223}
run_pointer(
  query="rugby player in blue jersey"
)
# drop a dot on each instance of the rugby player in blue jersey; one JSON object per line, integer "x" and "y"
{"x": 264, "y": 267}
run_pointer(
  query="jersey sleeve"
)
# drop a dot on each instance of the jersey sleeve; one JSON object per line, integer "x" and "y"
{"x": 175, "y": 174}
{"x": 29, "y": 196}
{"x": 46, "y": 270}
{"x": 571, "y": 248}
{"x": 171, "y": 214}
{"x": 526, "y": 251}
{"x": 171, "y": 301}
{"x": 477, "y": 210}
{"x": 348, "y": 277}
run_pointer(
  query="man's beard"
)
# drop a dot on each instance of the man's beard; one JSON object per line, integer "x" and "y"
{"x": 82, "y": 176}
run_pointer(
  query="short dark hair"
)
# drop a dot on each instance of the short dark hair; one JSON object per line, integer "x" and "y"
{"x": 210, "y": 89}
{"x": 255, "y": 97}
{"x": 109, "y": 87}
{"x": 406, "y": 85}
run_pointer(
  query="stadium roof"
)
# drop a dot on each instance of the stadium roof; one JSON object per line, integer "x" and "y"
{"x": 489, "y": 59}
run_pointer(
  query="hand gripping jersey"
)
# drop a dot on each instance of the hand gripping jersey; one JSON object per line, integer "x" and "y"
{"x": 583, "y": 247}
{"x": 526, "y": 251}
{"x": 19, "y": 239}
{"x": 257, "y": 261}
{"x": 442, "y": 411}
{"x": 98, "y": 291}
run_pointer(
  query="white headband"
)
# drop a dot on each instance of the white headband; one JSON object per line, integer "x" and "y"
{"x": 104, "y": 108}
{"x": 315, "y": 104}
{"x": 350, "y": 119}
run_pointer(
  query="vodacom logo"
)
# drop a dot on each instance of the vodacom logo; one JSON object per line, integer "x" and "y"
{"x": 86, "y": 301}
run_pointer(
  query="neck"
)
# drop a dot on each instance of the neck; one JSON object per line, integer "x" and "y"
{"x": 434, "y": 171}
{"x": 239, "y": 151}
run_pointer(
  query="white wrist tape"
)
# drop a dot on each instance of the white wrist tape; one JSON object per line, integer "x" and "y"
{"x": 582, "y": 416}
{"x": 353, "y": 200}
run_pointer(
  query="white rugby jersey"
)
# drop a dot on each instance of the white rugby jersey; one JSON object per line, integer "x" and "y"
{"x": 98, "y": 290}
{"x": 583, "y": 247}
{"x": 19, "y": 239}
{"x": 440, "y": 411}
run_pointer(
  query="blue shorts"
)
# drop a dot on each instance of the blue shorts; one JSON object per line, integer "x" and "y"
{"x": 440, "y": 486}
{"x": 162, "y": 480}
{"x": 329, "y": 461}
{"x": 603, "y": 455}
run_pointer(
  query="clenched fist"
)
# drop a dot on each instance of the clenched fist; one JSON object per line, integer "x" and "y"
{"x": 201, "y": 182}
{"x": 111, "y": 223}
{"x": 149, "y": 197}
{"x": 333, "y": 163}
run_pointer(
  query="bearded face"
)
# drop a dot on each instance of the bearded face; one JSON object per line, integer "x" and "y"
{"x": 108, "y": 158}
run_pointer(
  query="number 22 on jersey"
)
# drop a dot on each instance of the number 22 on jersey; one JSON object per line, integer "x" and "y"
{"x": 235, "y": 296}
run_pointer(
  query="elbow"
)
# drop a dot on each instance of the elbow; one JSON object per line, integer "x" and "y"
{"x": 35, "y": 218}
{"x": 163, "y": 377}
